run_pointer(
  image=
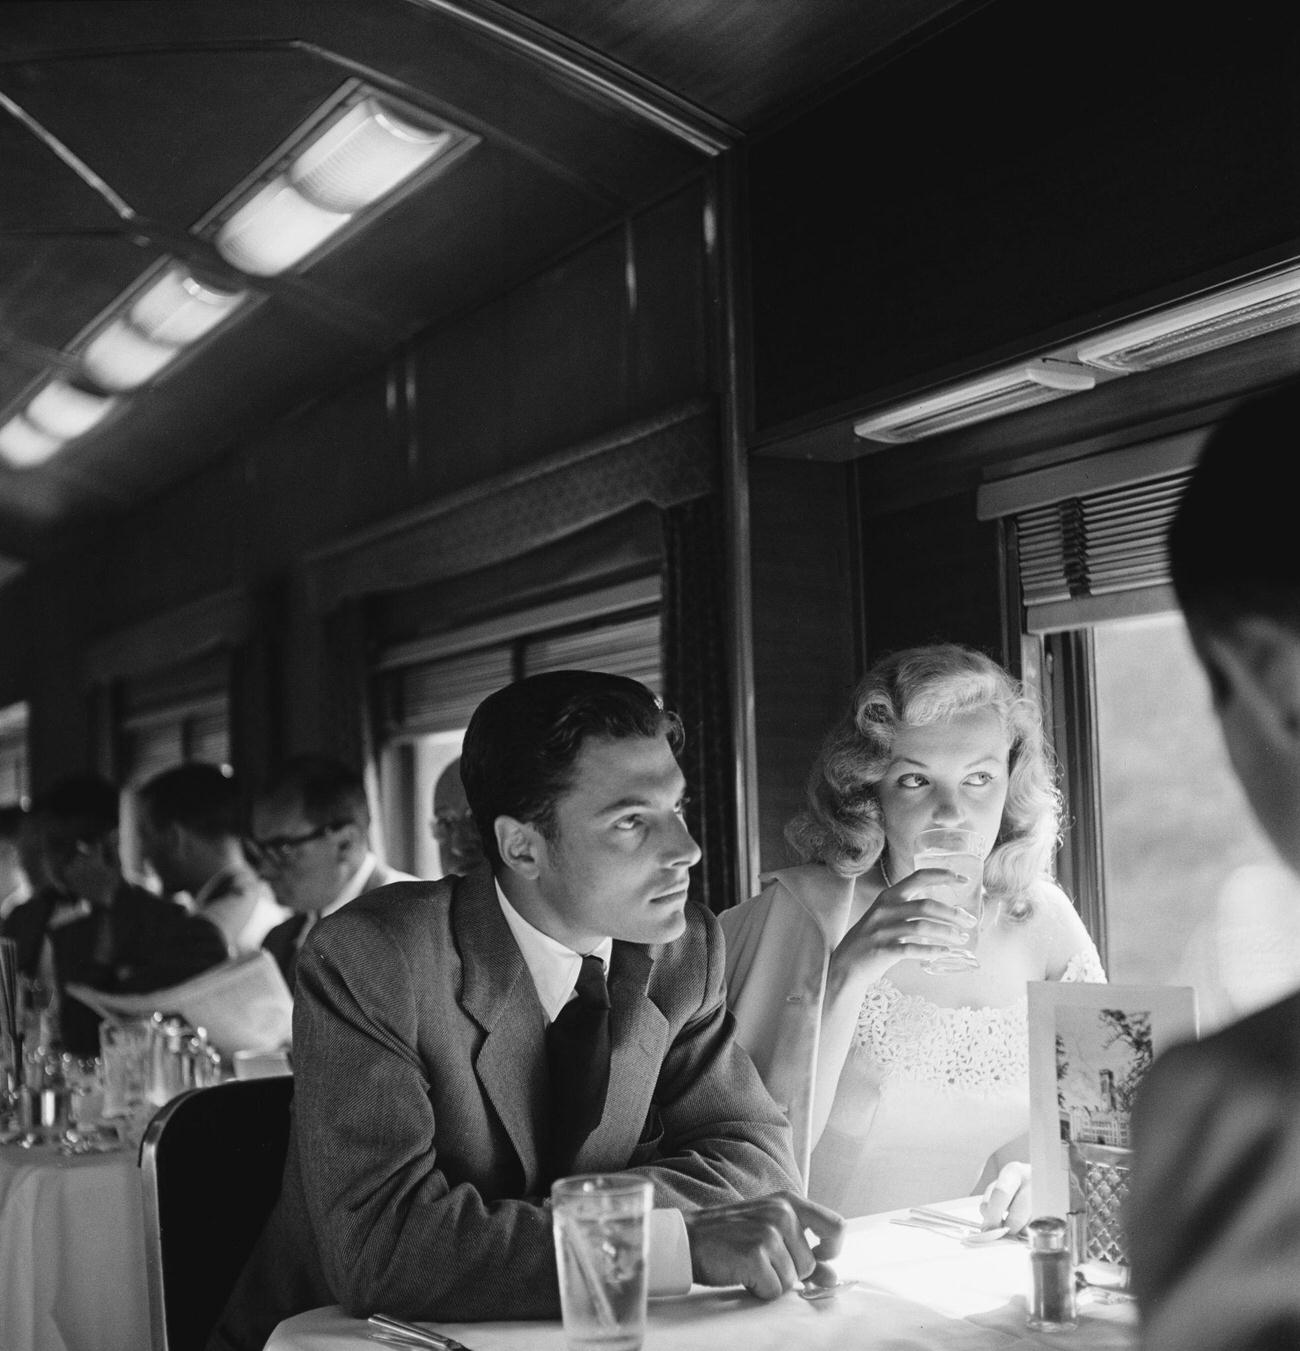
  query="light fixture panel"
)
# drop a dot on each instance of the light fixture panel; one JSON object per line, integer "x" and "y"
{"x": 1203, "y": 325}
{"x": 974, "y": 401}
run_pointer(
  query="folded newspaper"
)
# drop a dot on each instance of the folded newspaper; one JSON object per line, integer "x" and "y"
{"x": 244, "y": 1004}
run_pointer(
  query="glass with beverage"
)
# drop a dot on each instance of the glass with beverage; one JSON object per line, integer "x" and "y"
{"x": 960, "y": 852}
{"x": 601, "y": 1239}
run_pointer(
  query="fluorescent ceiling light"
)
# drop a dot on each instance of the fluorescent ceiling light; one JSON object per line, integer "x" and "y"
{"x": 24, "y": 445}
{"x": 275, "y": 229}
{"x": 1228, "y": 316}
{"x": 179, "y": 309}
{"x": 64, "y": 411}
{"x": 121, "y": 357}
{"x": 363, "y": 156}
{"x": 989, "y": 396}
{"x": 353, "y": 162}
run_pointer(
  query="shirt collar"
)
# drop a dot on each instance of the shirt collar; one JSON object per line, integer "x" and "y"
{"x": 356, "y": 885}
{"x": 553, "y": 967}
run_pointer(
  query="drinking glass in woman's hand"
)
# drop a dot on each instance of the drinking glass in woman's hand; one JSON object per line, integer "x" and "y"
{"x": 961, "y": 854}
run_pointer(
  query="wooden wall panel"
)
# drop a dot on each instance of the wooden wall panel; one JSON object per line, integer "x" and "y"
{"x": 1032, "y": 170}
{"x": 930, "y": 574}
{"x": 805, "y": 629}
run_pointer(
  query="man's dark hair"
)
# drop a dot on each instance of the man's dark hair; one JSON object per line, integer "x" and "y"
{"x": 331, "y": 792}
{"x": 198, "y": 796}
{"x": 523, "y": 740}
{"x": 1232, "y": 546}
{"x": 81, "y": 806}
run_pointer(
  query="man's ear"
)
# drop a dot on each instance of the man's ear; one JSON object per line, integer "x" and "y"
{"x": 1259, "y": 662}
{"x": 521, "y": 845}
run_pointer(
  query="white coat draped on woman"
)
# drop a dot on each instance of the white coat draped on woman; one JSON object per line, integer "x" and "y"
{"x": 905, "y": 1087}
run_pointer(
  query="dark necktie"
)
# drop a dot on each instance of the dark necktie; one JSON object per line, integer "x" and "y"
{"x": 577, "y": 1051}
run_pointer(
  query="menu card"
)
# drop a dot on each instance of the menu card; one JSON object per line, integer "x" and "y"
{"x": 1089, "y": 1047}
{"x": 244, "y": 1003}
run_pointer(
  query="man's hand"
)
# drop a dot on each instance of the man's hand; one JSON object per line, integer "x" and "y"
{"x": 760, "y": 1244}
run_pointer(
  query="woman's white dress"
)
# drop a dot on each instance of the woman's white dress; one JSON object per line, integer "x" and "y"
{"x": 937, "y": 1090}
{"x": 927, "y": 1093}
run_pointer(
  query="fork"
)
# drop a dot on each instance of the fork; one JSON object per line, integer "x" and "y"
{"x": 407, "y": 1334}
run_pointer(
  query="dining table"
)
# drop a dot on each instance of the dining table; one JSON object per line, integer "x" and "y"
{"x": 72, "y": 1252}
{"x": 902, "y": 1288}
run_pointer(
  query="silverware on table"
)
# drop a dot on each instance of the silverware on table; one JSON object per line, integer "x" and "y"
{"x": 393, "y": 1329}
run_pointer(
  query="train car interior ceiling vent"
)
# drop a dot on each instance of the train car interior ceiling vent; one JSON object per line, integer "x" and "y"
{"x": 352, "y": 155}
{"x": 1005, "y": 391}
{"x": 1247, "y": 309}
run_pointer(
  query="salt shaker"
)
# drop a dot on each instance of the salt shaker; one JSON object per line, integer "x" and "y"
{"x": 1051, "y": 1303}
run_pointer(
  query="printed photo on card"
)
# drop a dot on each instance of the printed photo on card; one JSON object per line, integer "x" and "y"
{"x": 1089, "y": 1047}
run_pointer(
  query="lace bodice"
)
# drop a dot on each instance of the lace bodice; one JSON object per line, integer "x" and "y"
{"x": 966, "y": 1049}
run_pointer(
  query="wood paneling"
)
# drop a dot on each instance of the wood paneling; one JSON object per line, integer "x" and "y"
{"x": 1031, "y": 170}
{"x": 805, "y": 629}
{"x": 930, "y": 574}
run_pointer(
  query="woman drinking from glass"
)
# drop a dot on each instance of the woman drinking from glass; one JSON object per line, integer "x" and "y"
{"x": 906, "y": 1078}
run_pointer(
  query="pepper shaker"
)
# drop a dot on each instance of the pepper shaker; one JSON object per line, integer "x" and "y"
{"x": 1051, "y": 1303}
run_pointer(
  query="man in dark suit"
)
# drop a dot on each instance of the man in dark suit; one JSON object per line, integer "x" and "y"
{"x": 1214, "y": 1213}
{"x": 311, "y": 841}
{"x": 89, "y": 925}
{"x": 427, "y": 1121}
{"x": 189, "y": 821}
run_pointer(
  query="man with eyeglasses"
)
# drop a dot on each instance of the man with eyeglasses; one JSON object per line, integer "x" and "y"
{"x": 311, "y": 841}
{"x": 460, "y": 850}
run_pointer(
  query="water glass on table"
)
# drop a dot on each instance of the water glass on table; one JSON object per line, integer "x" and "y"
{"x": 960, "y": 852}
{"x": 124, "y": 1049}
{"x": 601, "y": 1226}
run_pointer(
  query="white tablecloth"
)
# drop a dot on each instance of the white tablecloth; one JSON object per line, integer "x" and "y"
{"x": 918, "y": 1291}
{"x": 72, "y": 1274}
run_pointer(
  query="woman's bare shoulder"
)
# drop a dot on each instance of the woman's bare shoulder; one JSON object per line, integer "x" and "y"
{"x": 1058, "y": 936}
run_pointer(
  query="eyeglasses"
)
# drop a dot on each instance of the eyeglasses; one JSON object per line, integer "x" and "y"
{"x": 279, "y": 849}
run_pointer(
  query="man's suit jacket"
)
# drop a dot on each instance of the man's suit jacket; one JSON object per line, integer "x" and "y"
{"x": 1213, "y": 1218}
{"x": 415, "y": 1178}
{"x": 282, "y": 941}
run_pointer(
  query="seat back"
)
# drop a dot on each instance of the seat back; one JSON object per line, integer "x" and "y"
{"x": 211, "y": 1162}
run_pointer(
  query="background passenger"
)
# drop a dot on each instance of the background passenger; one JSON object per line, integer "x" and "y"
{"x": 1214, "y": 1216}
{"x": 189, "y": 822}
{"x": 906, "y": 1087}
{"x": 92, "y": 926}
{"x": 453, "y": 828}
{"x": 311, "y": 841}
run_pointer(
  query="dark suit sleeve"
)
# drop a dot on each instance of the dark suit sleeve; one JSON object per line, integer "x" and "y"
{"x": 158, "y": 944}
{"x": 724, "y": 1138}
{"x": 393, "y": 1234}
{"x": 1213, "y": 1218}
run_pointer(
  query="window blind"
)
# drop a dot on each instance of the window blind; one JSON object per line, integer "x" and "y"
{"x": 630, "y": 648}
{"x": 1088, "y": 539}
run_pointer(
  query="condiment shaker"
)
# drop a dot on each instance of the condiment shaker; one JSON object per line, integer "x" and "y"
{"x": 1051, "y": 1300}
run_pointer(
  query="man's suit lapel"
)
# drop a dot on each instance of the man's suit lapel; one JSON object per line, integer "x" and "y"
{"x": 638, "y": 1043}
{"x": 499, "y": 994}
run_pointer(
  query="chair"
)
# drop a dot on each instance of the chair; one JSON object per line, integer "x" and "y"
{"x": 211, "y": 1162}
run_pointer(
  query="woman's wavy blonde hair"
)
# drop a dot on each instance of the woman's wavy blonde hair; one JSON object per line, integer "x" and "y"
{"x": 842, "y": 825}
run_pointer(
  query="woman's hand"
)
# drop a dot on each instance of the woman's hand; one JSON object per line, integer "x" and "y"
{"x": 905, "y": 917}
{"x": 1008, "y": 1201}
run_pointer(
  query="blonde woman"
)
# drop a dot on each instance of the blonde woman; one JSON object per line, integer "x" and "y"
{"x": 906, "y": 1087}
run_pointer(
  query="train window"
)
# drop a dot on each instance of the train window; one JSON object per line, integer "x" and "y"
{"x": 427, "y": 690}
{"x": 13, "y": 754}
{"x": 1192, "y": 891}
